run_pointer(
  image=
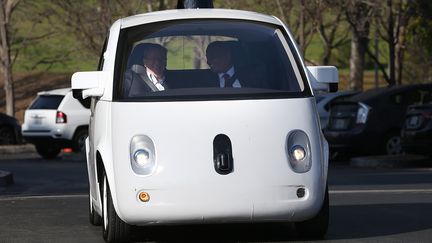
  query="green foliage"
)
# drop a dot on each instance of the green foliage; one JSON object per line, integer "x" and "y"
{"x": 44, "y": 38}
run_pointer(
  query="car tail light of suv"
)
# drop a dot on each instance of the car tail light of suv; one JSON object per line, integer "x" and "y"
{"x": 61, "y": 117}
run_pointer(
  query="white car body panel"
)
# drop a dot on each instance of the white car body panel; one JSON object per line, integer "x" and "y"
{"x": 168, "y": 15}
{"x": 185, "y": 177}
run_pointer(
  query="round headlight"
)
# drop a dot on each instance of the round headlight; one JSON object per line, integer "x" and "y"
{"x": 142, "y": 157}
{"x": 298, "y": 152}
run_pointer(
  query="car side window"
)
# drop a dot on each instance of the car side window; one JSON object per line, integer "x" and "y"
{"x": 408, "y": 98}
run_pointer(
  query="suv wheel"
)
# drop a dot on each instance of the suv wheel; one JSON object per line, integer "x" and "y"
{"x": 393, "y": 145}
{"x": 48, "y": 152}
{"x": 7, "y": 136}
{"x": 79, "y": 140}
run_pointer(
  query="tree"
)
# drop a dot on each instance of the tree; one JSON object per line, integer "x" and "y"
{"x": 358, "y": 14}
{"x": 392, "y": 27}
{"x": 6, "y": 9}
{"x": 419, "y": 43}
{"x": 331, "y": 29}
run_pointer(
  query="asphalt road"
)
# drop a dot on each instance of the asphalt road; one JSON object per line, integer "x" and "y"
{"x": 48, "y": 203}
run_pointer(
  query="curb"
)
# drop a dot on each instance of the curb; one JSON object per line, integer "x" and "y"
{"x": 17, "y": 149}
{"x": 391, "y": 161}
{"x": 28, "y": 151}
{"x": 6, "y": 178}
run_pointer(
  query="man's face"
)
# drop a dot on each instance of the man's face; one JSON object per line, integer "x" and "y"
{"x": 155, "y": 60}
{"x": 219, "y": 60}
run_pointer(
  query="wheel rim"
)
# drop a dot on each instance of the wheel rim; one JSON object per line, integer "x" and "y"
{"x": 393, "y": 145}
{"x": 81, "y": 142}
{"x": 105, "y": 204}
{"x": 90, "y": 205}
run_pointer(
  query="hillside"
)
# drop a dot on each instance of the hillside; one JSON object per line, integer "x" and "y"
{"x": 27, "y": 85}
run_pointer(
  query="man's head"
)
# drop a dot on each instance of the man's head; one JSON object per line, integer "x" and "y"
{"x": 155, "y": 59}
{"x": 219, "y": 57}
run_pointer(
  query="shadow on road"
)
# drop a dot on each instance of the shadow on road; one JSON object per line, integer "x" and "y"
{"x": 362, "y": 221}
{"x": 346, "y": 223}
{"x": 217, "y": 233}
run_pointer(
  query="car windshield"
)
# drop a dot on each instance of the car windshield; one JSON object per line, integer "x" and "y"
{"x": 47, "y": 102}
{"x": 207, "y": 59}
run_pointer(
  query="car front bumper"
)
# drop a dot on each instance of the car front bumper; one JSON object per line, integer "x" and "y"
{"x": 417, "y": 142}
{"x": 194, "y": 205}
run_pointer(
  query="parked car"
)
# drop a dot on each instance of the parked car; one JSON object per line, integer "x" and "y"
{"x": 10, "y": 130}
{"x": 56, "y": 120}
{"x": 198, "y": 153}
{"x": 370, "y": 122}
{"x": 324, "y": 102}
{"x": 417, "y": 130}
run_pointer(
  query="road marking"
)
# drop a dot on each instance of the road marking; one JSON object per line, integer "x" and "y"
{"x": 380, "y": 191}
{"x": 8, "y": 198}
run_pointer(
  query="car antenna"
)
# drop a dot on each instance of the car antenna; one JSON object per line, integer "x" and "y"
{"x": 183, "y": 4}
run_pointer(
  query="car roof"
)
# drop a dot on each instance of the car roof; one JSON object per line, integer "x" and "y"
{"x": 63, "y": 91}
{"x": 184, "y": 14}
{"x": 379, "y": 92}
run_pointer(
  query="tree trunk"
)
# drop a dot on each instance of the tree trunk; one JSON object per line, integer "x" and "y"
{"x": 302, "y": 42}
{"x": 326, "y": 56}
{"x": 400, "y": 48}
{"x": 6, "y": 66}
{"x": 391, "y": 44}
{"x": 404, "y": 17}
{"x": 358, "y": 50}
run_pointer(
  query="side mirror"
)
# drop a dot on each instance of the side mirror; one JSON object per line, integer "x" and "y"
{"x": 88, "y": 84}
{"x": 323, "y": 78}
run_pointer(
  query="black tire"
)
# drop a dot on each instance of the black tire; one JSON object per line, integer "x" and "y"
{"x": 316, "y": 227}
{"x": 113, "y": 228}
{"x": 48, "y": 152}
{"x": 94, "y": 217}
{"x": 7, "y": 136}
{"x": 79, "y": 140}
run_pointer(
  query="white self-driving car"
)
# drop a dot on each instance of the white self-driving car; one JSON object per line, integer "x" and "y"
{"x": 194, "y": 152}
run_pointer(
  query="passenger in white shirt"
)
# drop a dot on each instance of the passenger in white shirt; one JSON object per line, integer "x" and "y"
{"x": 151, "y": 75}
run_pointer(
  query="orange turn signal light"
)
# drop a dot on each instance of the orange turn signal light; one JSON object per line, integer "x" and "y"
{"x": 144, "y": 196}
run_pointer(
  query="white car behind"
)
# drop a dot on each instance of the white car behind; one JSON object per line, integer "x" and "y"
{"x": 55, "y": 120}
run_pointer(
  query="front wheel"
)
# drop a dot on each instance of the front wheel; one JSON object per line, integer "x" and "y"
{"x": 113, "y": 228}
{"x": 94, "y": 217}
{"x": 316, "y": 227}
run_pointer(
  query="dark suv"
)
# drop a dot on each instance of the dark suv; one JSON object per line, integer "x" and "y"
{"x": 370, "y": 122}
